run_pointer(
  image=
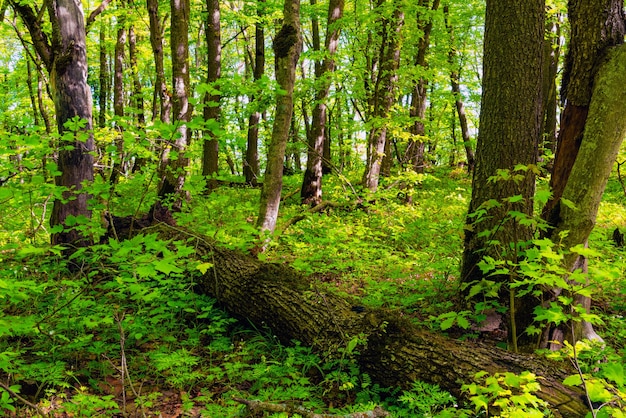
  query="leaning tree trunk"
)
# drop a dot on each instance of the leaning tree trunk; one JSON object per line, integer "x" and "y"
{"x": 597, "y": 26}
{"x": 604, "y": 132}
{"x": 287, "y": 48}
{"x": 396, "y": 352}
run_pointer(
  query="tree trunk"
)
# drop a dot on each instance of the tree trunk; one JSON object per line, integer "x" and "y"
{"x": 311, "y": 192}
{"x": 604, "y": 132}
{"x": 251, "y": 161}
{"x": 596, "y": 27}
{"x": 396, "y": 353}
{"x": 161, "y": 95}
{"x": 382, "y": 93}
{"x": 287, "y": 48}
{"x": 510, "y": 123}
{"x": 417, "y": 111}
{"x": 118, "y": 96}
{"x": 173, "y": 168}
{"x": 211, "y": 111}
{"x": 455, "y": 77}
{"x": 137, "y": 96}
{"x": 65, "y": 58}
{"x": 103, "y": 78}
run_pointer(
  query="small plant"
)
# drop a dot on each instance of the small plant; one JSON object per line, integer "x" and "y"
{"x": 506, "y": 395}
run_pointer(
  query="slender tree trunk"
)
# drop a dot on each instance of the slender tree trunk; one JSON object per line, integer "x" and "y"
{"x": 173, "y": 167}
{"x": 251, "y": 160}
{"x": 510, "y": 123}
{"x": 552, "y": 48}
{"x": 161, "y": 95}
{"x": 416, "y": 147}
{"x": 311, "y": 192}
{"x": 458, "y": 96}
{"x": 211, "y": 111}
{"x": 383, "y": 94}
{"x": 287, "y": 47}
{"x": 118, "y": 96}
{"x": 137, "y": 95}
{"x": 31, "y": 92}
{"x": 103, "y": 77}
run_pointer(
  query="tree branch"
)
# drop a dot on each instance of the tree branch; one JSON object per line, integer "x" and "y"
{"x": 95, "y": 13}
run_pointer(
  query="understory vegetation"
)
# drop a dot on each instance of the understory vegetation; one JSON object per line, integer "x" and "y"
{"x": 117, "y": 330}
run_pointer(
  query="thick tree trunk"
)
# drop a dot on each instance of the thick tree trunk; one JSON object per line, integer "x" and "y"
{"x": 510, "y": 123}
{"x": 137, "y": 95}
{"x": 287, "y": 48}
{"x": 64, "y": 55}
{"x": 396, "y": 353}
{"x": 596, "y": 27}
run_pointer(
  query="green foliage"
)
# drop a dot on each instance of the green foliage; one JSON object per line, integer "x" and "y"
{"x": 506, "y": 395}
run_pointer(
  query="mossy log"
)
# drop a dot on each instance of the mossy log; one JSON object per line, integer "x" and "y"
{"x": 396, "y": 352}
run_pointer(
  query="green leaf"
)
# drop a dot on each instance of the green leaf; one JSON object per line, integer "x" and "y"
{"x": 573, "y": 380}
{"x": 614, "y": 372}
{"x": 204, "y": 267}
{"x": 166, "y": 267}
{"x": 598, "y": 392}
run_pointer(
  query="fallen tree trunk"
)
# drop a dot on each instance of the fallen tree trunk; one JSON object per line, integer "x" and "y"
{"x": 396, "y": 352}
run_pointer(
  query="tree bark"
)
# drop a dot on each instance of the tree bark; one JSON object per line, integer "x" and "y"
{"x": 161, "y": 95}
{"x": 65, "y": 56}
{"x": 596, "y": 27}
{"x": 311, "y": 192}
{"x": 396, "y": 352}
{"x": 174, "y": 160}
{"x": 455, "y": 77}
{"x": 510, "y": 123}
{"x": 417, "y": 111}
{"x": 382, "y": 92}
{"x": 212, "y": 109}
{"x": 251, "y": 161}
{"x": 287, "y": 48}
{"x": 103, "y": 91}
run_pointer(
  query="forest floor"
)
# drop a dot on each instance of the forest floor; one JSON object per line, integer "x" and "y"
{"x": 129, "y": 337}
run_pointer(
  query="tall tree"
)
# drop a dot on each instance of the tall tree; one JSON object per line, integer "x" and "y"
{"x": 211, "y": 111}
{"x": 251, "y": 160}
{"x": 174, "y": 159}
{"x": 311, "y": 192}
{"x": 161, "y": 104}
{"x": 64, "y": 55}
{"x": 592, "y": 129}
{"x": 382, "y": 87}
{"x": 416, "y": 147}
{"x": 119, "y": 57}
{"x": 510, "y": 123}
{"x": 455, "y": 76}
{"x": 287, "y": 47}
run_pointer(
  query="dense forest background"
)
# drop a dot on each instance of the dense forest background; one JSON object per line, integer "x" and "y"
{"x": 337, "y": 208}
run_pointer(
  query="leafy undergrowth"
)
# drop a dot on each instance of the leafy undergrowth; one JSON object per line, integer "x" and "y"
{"x": 118, "y": 331}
